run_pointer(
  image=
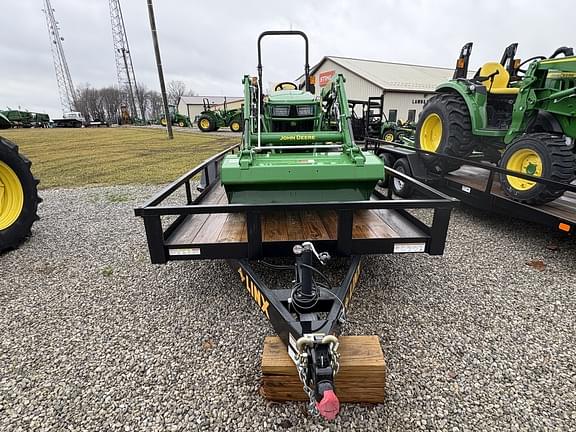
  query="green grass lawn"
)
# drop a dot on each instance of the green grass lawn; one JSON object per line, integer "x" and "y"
{"x": 113, "y": 156}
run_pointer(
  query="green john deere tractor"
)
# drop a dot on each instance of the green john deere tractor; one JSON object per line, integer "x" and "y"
{"x": 211, "y": 119}
{"x": 298, "y": 147}
{"x": 176, "y": 118}
{"x": 522, "y": 118}
{"x": 395, "y": 131}
{"x": 18, "y": 196}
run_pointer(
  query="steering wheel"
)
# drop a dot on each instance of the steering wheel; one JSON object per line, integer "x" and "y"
{"x": 531, "y": 59}
{"x": 283, "y": 85}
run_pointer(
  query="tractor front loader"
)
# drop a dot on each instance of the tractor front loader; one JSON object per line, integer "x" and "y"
{"x": 18, "y": 196}
{"x": 523, "y": 119}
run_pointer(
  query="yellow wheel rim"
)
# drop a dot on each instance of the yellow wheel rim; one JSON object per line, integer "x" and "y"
{"x": 235, "y": 126}
{"x": 431, "y": 133}
{"x": 525, "y": 161}
{"x": 181, "y": 124}
{"x": 11, "y": 196}
{"x": 204, "y": 123}
{"x": 389, "y": 137}
{"x": 163, "y": 122}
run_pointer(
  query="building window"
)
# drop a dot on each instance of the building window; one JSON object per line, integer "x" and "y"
{"x": 392, "y": 115}
{"x": 412, "y": 116}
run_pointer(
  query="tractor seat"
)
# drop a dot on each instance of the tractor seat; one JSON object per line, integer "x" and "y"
{"x": 499, "y": 83}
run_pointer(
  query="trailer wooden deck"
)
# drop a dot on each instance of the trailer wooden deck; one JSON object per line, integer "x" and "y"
{"x": 288, "y": 226}
{"x": 477, "y": 178}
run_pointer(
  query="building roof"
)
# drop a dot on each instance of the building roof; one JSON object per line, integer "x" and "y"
{"x": 393, "y": 76}
{"x": 214, "y": 100}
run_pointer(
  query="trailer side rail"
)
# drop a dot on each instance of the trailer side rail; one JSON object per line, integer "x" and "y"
{"x": 421, "y": 237}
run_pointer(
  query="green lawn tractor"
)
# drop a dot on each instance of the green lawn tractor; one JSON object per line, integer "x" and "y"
{"x": 176, "y": 118}
{"x": 18, "y": 196}
{"x": 211, "y": 119}
{"x": 522, "y": 118}
{"x": 297, "y": 147}
{"x": 395, "y": 131}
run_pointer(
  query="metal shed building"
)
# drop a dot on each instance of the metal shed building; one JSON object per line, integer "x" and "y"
{"x": 405, "y": 87}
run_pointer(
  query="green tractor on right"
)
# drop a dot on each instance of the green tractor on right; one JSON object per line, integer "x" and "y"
{"x": 518, "y": 114}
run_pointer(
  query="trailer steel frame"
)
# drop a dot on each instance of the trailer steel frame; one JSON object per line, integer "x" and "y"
{"x": 308, "y": 315}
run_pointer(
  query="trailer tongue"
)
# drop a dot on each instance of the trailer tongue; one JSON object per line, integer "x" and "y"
{"x": 298, "y": 188}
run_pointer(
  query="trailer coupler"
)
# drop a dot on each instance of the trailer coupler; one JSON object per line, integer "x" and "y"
{"x": 317, "y": 365}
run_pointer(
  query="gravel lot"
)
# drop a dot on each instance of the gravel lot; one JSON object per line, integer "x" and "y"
{"x": 93, "y": 337}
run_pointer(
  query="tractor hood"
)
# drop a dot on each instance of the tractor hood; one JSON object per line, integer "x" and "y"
{"x": 291, "y": 96}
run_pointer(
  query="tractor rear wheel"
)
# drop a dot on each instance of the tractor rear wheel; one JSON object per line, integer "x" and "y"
{"x": 163, "y": 121}
{"x": 206, "y": 123}
{"x": 541, "y": 155}
{"x": 444, "y": 127}
{"x": 235, "y": 125}
{"x": 18, "y": 196}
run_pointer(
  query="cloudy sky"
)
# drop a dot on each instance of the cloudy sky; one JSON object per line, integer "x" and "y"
{"x": 210, "y": 45}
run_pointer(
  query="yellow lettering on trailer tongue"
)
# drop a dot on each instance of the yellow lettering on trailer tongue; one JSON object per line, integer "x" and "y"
{"x": 254, "y": 292}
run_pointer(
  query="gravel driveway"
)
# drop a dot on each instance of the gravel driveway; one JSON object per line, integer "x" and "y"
{"x": 94, "y": 338}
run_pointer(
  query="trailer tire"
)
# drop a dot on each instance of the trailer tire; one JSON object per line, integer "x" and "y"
{"x": 19, "y": 203}
{"x": 543, "y": 155}
{"x": 400, "y": 187}
{"x": 444, "y": 127}
{"x": 388, "y": 160}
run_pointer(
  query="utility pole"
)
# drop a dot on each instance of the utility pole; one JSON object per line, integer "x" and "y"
{"x": 64, "y": 80}
{"x": 160, "y": 71}
{"x": 124, "y": 67}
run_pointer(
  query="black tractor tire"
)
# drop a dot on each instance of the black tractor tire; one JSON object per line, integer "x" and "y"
{"x": 236, "y": 125}
{"x": 206, "y": 123}
{"x": 13, "y": 163}
{"x": 400, "y": 187}
{"x": 388, "y": 135}
{"x": 456, "y": 137}
{"x": 181, "y": 123}
{"x": 558, "y": 163}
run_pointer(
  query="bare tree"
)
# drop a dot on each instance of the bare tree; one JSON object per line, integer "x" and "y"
{"x": 177, "y": 89}
{"x": 154, "y": 104}
{"x": 111, "y": 100}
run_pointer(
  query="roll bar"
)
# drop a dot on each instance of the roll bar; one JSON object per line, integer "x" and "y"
{"x": 284, "y": 33}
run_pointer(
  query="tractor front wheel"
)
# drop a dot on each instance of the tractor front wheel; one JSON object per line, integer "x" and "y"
{"x": 444, "y": 127}
{"x": 388, "y": 135}
{"x": 540, "y": 155}
{"x": 236, "y": 126}
{"x": 18, "y": 196}
{"x": 206, "y": 124}
{"x": 163, "y": 121}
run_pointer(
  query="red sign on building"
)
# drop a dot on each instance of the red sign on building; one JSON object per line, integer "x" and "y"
{"x": 325, "y": 77}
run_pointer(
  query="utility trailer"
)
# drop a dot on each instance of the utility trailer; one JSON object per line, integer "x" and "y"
{"x": 477, "y": 184}
{"x": 297, "y": 186}
{"x": 206, "y": 226}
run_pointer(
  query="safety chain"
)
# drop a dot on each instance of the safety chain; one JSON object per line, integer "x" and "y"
{"x": 302, "y": 366}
